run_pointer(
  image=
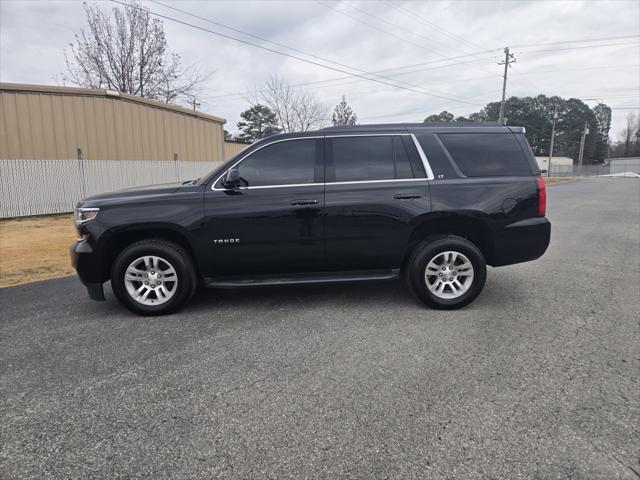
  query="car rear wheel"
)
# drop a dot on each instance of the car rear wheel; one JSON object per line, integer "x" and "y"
{"x": 153, "y": 277}
{"x": 446, "y": 272}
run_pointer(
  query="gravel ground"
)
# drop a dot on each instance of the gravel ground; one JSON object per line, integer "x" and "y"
{"x": 536, "y": 379}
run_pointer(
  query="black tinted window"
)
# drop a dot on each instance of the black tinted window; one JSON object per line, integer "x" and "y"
{"x": 486, "y": 154}
{"x": 369, "y": 158}
{"x": 282, "y": 163}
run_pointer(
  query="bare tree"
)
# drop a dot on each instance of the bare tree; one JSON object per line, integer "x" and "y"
{"x": 628, "y": 143}
{"x": 296, "y": 111}
{"x": 127, "y": 51}
{"x": 631, "y": 135}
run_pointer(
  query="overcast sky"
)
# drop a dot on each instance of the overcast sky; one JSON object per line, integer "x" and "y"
{"x": 371, "y": 36}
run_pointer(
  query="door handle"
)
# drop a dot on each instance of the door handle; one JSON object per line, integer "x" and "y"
{"x": 304, "y": 202}
{"x": 406, "y": 196}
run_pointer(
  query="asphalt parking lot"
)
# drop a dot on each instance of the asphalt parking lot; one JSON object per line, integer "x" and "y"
{"x": 536, "y": 379}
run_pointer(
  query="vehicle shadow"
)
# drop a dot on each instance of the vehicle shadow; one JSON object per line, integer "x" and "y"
{"x": 389, "y": 296}
{"x": 365, "y": 294}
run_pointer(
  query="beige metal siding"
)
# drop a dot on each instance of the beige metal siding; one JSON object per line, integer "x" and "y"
{"x": 233, "y": 148}
{"x": 9, "y": 132}
{"x": 41, "y": 122}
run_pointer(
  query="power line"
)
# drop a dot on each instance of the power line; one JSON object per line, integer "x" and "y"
{"x": 341, "y": 79}
{"x": 436, "y": 27}
{"x": 609, "y": 96}
{"x": 584, "y": 40}
{"x": 595, "y": 67}
{"x": 377, "y": 28}
{"x": 321, "y": 58}
{"x": 298, "y": 50}
{"x": 257, "y": 37}
{"x": 398, "y": 26}
{"x": 395, "y": 25}
{"x": 350, "y": 74}
{"x": 278, "y": 44}
{"x": 579, "y": 47}
{"x": 246, "y": 42}
{"x": 493, "y": 51}
{"x": 382, "y": 30}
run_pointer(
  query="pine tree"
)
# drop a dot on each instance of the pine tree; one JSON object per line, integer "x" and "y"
{"x": 256, "y": 121}
{"x": 343, "y": 114}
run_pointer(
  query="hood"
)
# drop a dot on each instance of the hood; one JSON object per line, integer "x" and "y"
{"x": 134, "y": 194}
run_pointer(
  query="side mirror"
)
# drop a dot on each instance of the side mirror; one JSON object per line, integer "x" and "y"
{"x": 231, "y": 179}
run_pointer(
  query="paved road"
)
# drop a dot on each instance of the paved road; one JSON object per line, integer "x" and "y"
{"x": 537, "y": 379}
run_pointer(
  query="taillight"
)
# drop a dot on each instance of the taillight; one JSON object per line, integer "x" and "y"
{"x": 542, "y": 196}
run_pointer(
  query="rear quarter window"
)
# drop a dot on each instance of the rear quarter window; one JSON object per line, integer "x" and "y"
{"x": 486, "y": 154}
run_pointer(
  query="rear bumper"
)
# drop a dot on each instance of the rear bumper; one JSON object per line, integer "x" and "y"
{"x": 521, "y": 241}
{"x": 88, "y": 267}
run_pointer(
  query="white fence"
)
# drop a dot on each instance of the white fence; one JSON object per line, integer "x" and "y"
{"x": 38, "y": 187}
{"x": 576, "y": 171}
{"x": 624, "y": 165}
{"x": 614, "y": 166}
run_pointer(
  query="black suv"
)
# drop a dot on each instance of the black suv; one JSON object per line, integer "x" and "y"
{"x": 433, "y": 203}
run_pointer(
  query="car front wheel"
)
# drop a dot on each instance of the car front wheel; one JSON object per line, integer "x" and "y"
{"x": 153, "y": 277}
{"x": 447, "y": 272}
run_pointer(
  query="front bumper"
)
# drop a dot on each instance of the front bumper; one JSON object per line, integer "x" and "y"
{"x": 522, "y": 241}
{"x": 87, "y": 265}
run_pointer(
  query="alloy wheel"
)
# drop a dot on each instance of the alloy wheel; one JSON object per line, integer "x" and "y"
{"x": 449, "y": 275}
{"x": 151, "y": 280}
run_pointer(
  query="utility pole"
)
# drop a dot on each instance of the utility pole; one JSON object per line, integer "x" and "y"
{"x": 553, "y": 137}
{"x": 585, "y": 132}
{"x": 194, "y": 103}
{"x": 508, "y": 60}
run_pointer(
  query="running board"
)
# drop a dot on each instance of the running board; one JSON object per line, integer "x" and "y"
{"x": 237, "y": 281}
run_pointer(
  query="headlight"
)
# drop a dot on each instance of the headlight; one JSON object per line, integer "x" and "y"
{"x": 84, "y": 215}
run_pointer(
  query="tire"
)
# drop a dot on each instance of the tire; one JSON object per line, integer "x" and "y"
{"x": 439, "y": 252}
{"x": 159, "y": 269}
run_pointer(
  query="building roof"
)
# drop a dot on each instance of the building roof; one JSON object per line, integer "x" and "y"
{"x": 112, "y": 94}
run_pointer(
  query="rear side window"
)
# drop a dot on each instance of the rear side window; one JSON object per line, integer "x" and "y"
{"x": 281, "y": 163}
{"x": 370, "y": 158}
{"x": 486, "y": 154}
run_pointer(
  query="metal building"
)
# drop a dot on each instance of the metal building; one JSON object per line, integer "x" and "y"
{"x": 59, "y": 145}
{"x": 232, "y": 148}
{"x": 47, "y": 122}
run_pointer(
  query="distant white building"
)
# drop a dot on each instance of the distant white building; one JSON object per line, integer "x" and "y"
{"x": 543, "y": 162}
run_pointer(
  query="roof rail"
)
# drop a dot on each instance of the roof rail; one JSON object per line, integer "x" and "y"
{"x": 376, "y": 126}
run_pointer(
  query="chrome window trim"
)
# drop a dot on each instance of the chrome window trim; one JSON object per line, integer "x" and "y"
{"x": 423, "y": 158}
{"x": 278, "y": 186}
{"x": 331, "y": 183}
{"x": 378, "y": 181}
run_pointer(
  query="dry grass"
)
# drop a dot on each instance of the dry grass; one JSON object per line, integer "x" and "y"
{"x": 35, "y": 248}
{"x": 557, "y": 180}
